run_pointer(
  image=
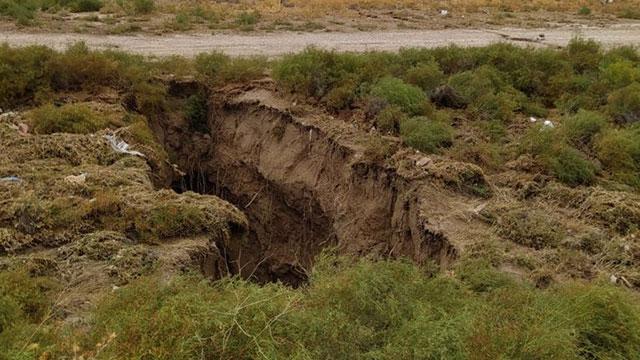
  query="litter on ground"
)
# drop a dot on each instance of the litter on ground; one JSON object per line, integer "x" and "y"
{"x": 76, "y": 180}
{"x": 10, "y": 179}
{"x": 121, "y": 146}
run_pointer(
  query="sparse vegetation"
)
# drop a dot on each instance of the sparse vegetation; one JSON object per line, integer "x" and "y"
{"x": 219, "y": 68}
{"x": 389, "y": 119}
{"x": 144, "y": 6}
{"x": 584, "y": 132}
{"x": 71, "y": 118}
{"x": 582, "y": 128}
{"x": 426, "y": 135}
{"x": 595, "y": 89}
{"x": 533, "y": 228}
{"x": 197, "y": 113}
{"x": 387, "y": 309}
{"x": 584, "y": 11}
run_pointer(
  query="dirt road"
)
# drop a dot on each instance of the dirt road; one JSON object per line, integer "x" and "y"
{"x": 276, "y": 44}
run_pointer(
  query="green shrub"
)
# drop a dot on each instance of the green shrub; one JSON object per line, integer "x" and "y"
{"x": 143, "y": 6}
{"x": 529, "y": 227}
{"x": 219, "y": 68}
{"x": 197, "y": 113}
{"x": 481, "y": 277}
{"x": 30, "y": 73}
{"x": 70, "y": 118}
{"x": 389, "y": 119}
{"x": 181, "y": 22}
{"x": 624, "y": 104}
{"x": 91, "y": 69}
{"x": 619, "y": 150}
{"x": 454, "y": 59}
{"x": 571, "y": 167}
{"x": 312, "y": 72}
{"x": 426, "y": 76}
{"x": 474, "y": 84}
{"x": 26, "y": 297}
{"x": 22, "y": 11}
{"x": 620, "y": 74}
{"x": 629, "y": 12}
{"x": 342, "y": 95}
{"x": 539, "y": 141}
{"x": 365, "y": 309}
{"x": 426, "y": 135}
{"x": 22, "y": 73}
{"x": 228, "y": 320}
{"x": 10, "y": 312}
{"x": 86, "y": 5}
{"x": 244, "y": 69}
{"x": 581, "y": 128}
{"x": 609, "y": 327}
{"x": 584, "y": 11}
{"x": 621, "y": 53}
{"x": 566, "y": 163}
{"x": 498, "y": 106}
{"x": 584, "y": 55}
{"x": 210, "y": 64}
{"x": 248, "y": 18}
{"x": 396, "y": 92}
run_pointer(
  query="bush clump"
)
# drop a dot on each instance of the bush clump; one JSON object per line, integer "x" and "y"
{"x": 624, "y": 104}
{"x": 197, "y": 113}
{"x": 86, "y": 5}
{"x": 143, "y": 6}
{"x": 69, "y": 118}
{"x": 220, "y": 68}
{"x": 560, "y": 159}
{"x": 426, "y": 135}
{"x": 363, "y": 309}
{"x": 532, "y": 228}
{"x": 619, "y": 151}
{"x": 581, "y": 128}
{"x": 584, "y": 11}
{"x": 571, "y": 167}
{"x": 584, "y": 55}
{"x": 396, "y": 92}
{"x": 388, "y": 120}
{"x": 426, "y": 76}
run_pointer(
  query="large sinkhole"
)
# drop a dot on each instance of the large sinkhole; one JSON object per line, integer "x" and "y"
{"x": 287, "y": 228}
{"x": 301, "y": 188}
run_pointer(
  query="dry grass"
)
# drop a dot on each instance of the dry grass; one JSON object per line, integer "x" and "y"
{"x": 317, "y": 7}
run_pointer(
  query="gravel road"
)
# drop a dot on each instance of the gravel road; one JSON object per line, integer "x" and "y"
{"x": 275, "y": 44}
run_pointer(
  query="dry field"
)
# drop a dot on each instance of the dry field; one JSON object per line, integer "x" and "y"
{"x": 163, "y": 16}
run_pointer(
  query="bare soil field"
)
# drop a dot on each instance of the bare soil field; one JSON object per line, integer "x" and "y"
{"x": 280, "y": 43}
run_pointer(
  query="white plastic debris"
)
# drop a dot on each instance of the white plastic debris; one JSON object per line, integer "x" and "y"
{"x": 444, "y": 12}
{"x": 548, "y": 124}
{"x": 76, "y": 180}
{"x": 613, "y": 279}
{"x": 424, "y": 161}
{"x": 13, "y": 179}
{"x": 533, "y": 119}
{"x": 479, "y": 208}
{"x": 120, "y": 146}
{"x": 8, "y": 115}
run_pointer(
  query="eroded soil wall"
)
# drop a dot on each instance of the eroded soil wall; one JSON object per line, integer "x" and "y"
{"x": 302, "y": 187}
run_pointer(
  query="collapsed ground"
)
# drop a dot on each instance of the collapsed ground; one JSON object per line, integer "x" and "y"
{"x": 507, "y": 176}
